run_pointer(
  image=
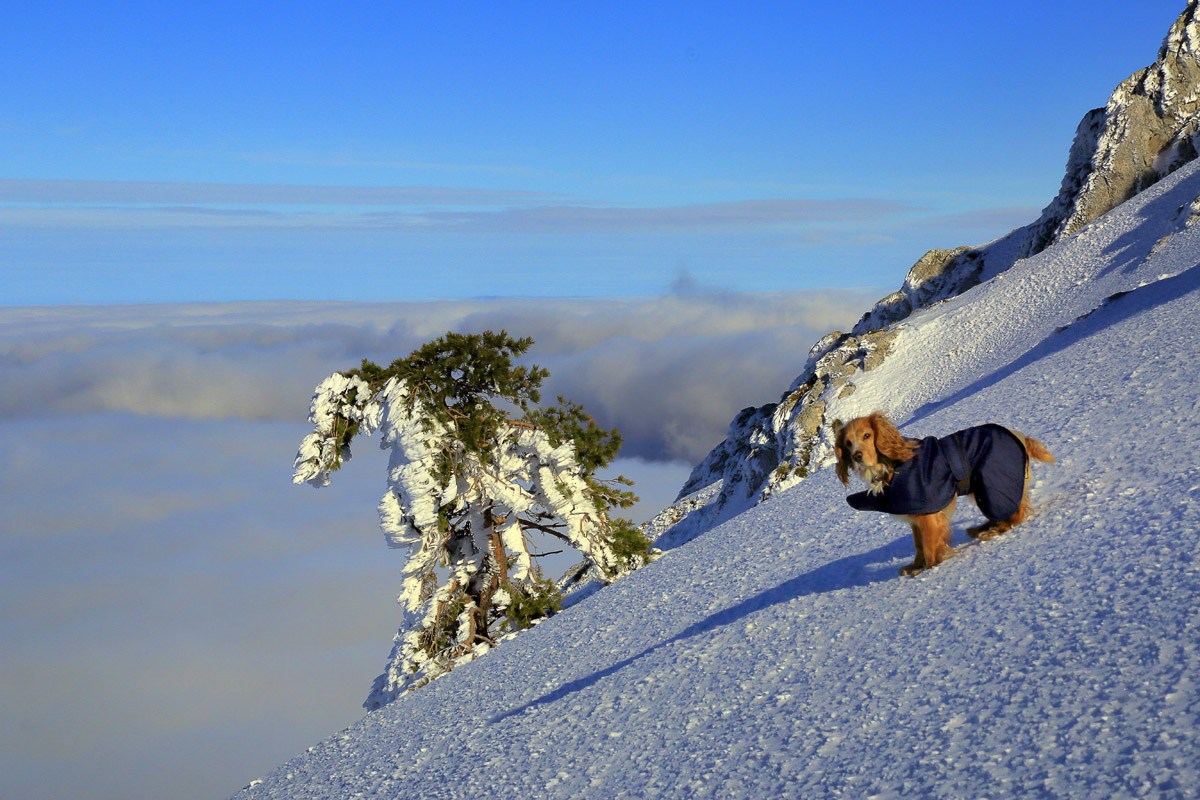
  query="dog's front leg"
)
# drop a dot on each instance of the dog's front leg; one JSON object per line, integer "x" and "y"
{"x": 918, "y": 563}
{"x": 932, "y": 535}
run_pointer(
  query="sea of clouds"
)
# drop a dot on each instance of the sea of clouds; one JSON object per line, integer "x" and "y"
{"x": 177, "y": 617}
{"x": 670, "y": 371}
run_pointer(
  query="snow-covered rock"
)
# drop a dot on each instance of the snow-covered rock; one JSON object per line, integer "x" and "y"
{"x": 1148, "y": 129}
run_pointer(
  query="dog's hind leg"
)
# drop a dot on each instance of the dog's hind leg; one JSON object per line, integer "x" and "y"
{"x": 994, "y": 528}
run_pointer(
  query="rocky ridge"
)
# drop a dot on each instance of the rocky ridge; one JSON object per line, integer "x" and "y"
{"x": 1148, "y": 129}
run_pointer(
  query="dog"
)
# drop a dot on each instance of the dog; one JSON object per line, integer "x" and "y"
{"x": 920, "y": 481}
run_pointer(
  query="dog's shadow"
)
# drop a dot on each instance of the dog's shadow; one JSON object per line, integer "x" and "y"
{"x": 860, "y": 569}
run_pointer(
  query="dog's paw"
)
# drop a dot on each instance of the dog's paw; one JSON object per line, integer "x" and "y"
{"x": 911, "y": 569}
{"x": 982, "y": 532}
{"x": 985, "y": 532}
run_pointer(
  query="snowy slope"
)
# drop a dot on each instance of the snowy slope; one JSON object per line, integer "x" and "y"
{"x": 779, "y": 654}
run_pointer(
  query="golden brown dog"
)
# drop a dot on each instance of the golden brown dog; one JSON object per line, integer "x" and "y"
{"x": 873, "y": 449}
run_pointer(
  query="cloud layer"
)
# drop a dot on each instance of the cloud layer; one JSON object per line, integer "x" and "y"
{"x": 94, "y": 205}
{"x": 670, "y": 372}
{"x": 131, "y": 205}
{"x": 173, "y": 193}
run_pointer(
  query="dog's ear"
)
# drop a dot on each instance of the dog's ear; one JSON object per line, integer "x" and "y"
{"x": 842, "y": 466}
{"x": 888, "y": 441}
{"x": 843, "y": 469}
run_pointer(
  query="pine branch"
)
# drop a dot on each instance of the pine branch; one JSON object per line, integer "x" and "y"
{"x": 544, "y": 529}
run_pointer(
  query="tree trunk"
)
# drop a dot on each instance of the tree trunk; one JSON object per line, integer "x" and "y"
{"x": 498, "y": 567}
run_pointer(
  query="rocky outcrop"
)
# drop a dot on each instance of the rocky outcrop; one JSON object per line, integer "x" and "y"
{"x": 773, "y": 446}
{"x": 1149, "y": 128}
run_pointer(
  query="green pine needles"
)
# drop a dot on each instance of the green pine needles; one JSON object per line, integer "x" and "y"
{"x": 531, "y": 601}
{"x": 460, "y": 377}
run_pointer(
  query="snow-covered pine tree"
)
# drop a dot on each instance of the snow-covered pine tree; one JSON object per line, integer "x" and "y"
{"x": 467, "y": 483}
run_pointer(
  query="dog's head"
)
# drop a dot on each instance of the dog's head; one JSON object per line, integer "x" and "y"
{"x": 870, "y": 447}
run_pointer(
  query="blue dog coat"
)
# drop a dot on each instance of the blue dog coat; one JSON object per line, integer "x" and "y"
{"x": 987, "y": 461}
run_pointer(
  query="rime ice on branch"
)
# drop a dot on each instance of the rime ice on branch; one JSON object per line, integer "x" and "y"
{"x": 466, "y": 486}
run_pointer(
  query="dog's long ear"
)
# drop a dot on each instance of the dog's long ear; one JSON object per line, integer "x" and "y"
{"x": 888, "y": 441}
{"x": 842, "y": 467}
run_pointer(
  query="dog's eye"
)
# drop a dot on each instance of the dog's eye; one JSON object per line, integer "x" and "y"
{"x": 866, "y": 436}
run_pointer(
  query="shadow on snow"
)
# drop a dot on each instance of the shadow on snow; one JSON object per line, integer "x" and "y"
{"x": 1115, "y": 309}
{"x": 860, "y": 569}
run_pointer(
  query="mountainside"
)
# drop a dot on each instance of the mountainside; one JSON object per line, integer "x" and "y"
{"x": 1148, "y": 129}
{"x": 781, "y": 655}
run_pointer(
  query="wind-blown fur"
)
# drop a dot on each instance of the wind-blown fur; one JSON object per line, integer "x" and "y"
{"x": 873, "y": 449}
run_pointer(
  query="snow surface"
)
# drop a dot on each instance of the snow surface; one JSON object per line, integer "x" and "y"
{"x": 780, "y": 654}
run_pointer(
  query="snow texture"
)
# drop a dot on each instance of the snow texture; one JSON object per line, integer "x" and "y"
{"x": 780, "y": 654}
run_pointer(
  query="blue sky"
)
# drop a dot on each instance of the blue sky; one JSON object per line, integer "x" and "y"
{"x": 233, "y": 151}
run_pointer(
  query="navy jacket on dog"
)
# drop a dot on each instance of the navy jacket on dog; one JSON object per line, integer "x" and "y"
{"x": 987, "y": 461}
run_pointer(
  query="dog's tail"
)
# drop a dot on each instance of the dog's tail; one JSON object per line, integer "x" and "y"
{"x": 1037, "y": 450}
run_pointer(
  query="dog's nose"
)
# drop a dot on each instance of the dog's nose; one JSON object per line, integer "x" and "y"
{"x": 858, "y": 456}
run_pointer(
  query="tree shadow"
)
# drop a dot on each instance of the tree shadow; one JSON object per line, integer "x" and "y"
{"x": 860, "y": 569}
{"x": 1115, "y": 309}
